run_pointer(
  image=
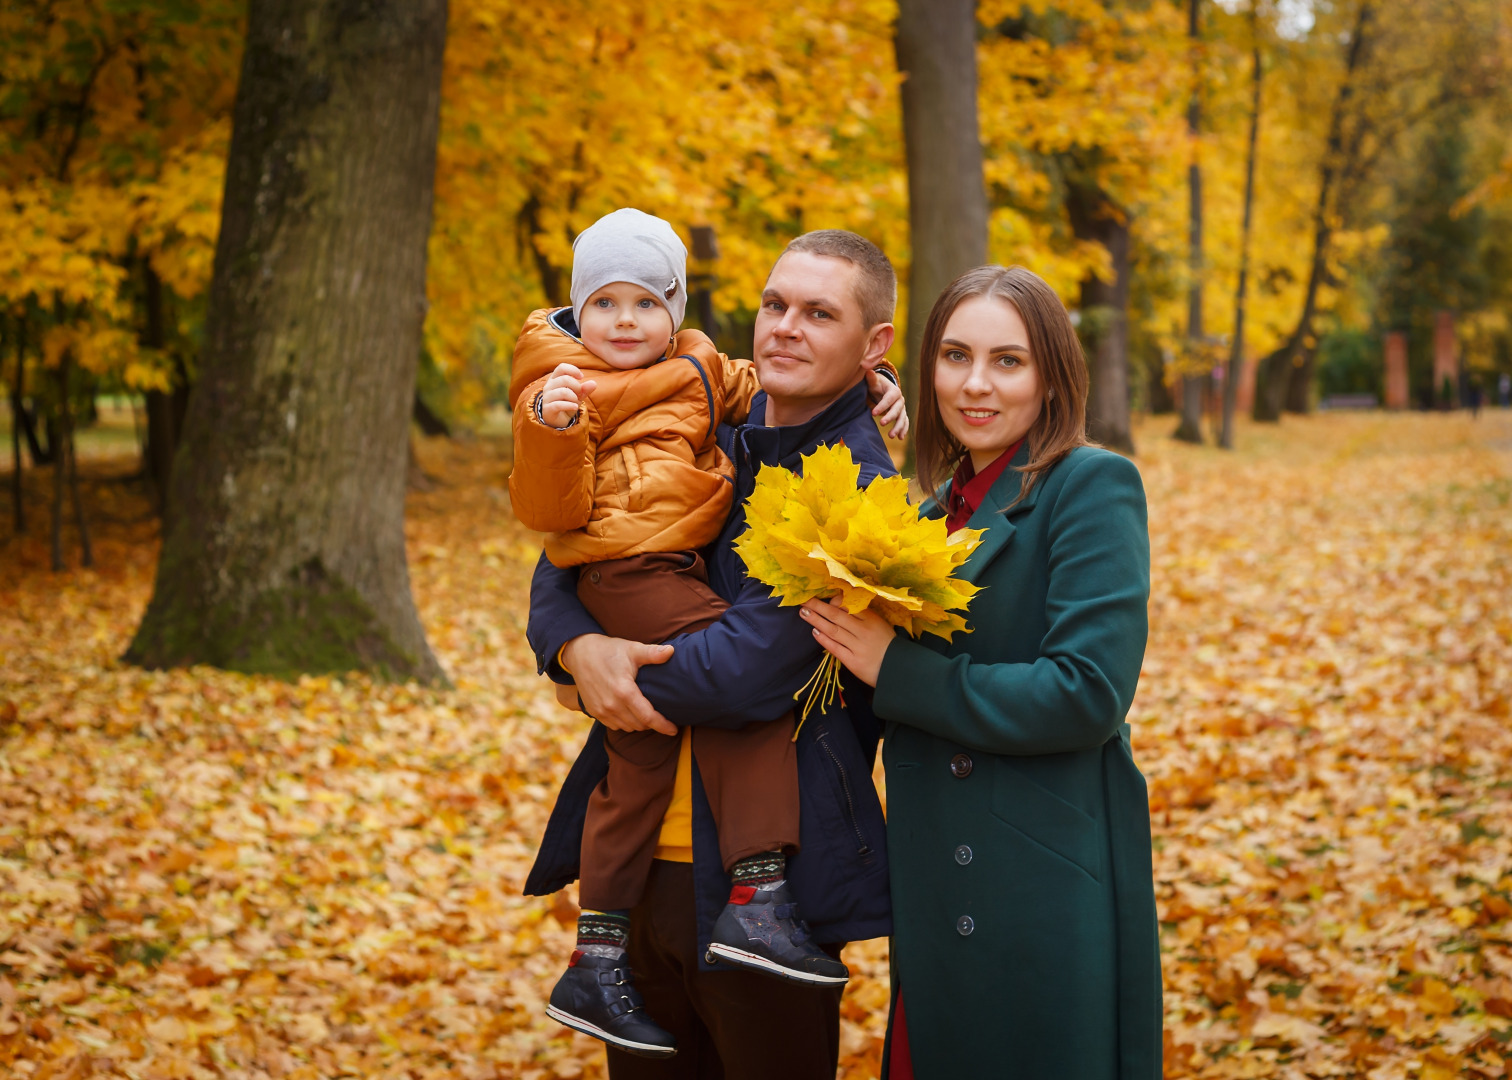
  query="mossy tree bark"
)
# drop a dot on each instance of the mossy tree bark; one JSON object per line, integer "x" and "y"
{"x": 285, "y": 552}
{"x": 947, "y": 194}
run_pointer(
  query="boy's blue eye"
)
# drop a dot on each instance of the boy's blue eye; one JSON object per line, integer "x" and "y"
{"x": 604, "y": 302}
{"x": 647, "y": 303}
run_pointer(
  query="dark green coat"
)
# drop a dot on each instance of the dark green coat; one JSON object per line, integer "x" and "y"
{"x": 1025, "y": 940}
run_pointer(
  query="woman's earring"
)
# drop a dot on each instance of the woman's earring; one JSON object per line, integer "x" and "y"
{"x": 1049, "y": 395}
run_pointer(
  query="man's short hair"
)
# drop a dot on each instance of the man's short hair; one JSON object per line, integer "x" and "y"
{"x": 876, "y": 284}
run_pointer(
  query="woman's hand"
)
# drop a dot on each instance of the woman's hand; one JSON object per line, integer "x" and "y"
{"x": 857, "y": 641}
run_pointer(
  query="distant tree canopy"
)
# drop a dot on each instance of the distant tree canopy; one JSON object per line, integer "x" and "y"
{"x": 763, "y": 121}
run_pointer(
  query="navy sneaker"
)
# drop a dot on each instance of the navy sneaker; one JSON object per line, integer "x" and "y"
{"x": 760, "y": 929}
{"x": 597, "y": 996}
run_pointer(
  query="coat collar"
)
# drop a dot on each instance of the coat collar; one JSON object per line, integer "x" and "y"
{"x": 996, "y": 516}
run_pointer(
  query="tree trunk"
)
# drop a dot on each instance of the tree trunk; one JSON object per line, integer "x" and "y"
{"x": 1274, "y": 377}
{"x": 69, "y": 456}
{"x": 165, "y": 408}
{"x": 1105, "y": 316}
{"x": 286, "y": 549}
{"x": 430, "y": 423}
{"x": 1190, "y": 428}
{"x": 1156, "y": 389}
{"x": 18, "y": 391}
{"x": 1299, "y": 383}
{"x": 947, "y": 195}
{"x": 1236, "y": 352}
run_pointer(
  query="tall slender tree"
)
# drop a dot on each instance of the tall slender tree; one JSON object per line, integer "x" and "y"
{"x": 1190, "y": 428}
{"x": 1236, "y": 349}
{"x": 285, "y": 549}
{"x": 947, "y": 196}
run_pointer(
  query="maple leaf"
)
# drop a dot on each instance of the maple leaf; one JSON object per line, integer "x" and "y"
{"x": 819, "y": 535}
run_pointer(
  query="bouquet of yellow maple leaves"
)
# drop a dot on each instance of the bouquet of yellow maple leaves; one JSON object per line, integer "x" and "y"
{"x": 819, "y": 536}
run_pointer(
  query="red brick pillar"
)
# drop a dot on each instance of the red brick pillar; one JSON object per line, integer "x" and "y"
{"x": 1397, "y": 391}
{"x": 1244, "y": 398}
{"x": 1445, "y": 363}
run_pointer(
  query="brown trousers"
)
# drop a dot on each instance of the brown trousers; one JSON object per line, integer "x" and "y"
{"x": 749, "y": 774}
{"x": 729, "y": 1025}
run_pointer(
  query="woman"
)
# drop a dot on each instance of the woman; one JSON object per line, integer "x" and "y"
{"x": 1025, "y": 941}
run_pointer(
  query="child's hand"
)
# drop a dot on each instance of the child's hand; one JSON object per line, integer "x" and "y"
{"x": 889, "y": 399}
{"x": 563, "y": 392}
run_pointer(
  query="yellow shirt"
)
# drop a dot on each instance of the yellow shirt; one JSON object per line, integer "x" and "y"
{"x": 675, "y": 842}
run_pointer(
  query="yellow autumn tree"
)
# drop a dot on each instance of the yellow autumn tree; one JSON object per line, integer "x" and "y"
{"x": 760, "y": 121}
{"x": 113, "y": 134}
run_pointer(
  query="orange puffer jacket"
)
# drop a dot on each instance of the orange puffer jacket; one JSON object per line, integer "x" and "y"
{"x": 639, "y": 470}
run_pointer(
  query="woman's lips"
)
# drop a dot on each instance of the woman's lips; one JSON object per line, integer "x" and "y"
{"x": 983, "y": 416}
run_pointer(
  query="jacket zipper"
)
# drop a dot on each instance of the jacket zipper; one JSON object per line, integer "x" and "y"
{"x": 850, "y": 803}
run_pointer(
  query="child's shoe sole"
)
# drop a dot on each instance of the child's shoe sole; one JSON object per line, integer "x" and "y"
{"x": 645, "y": 1050}
{"x": 760, "y": 963}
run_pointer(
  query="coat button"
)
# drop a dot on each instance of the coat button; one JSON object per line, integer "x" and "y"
{"x": 963, "y": 854}
{"x": 964, "y": 926}
{"x": 960, "y": 765}
{"x": 593, "y": 576}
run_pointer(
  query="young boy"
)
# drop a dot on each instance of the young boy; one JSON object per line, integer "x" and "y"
{"x": 615, "y": 414}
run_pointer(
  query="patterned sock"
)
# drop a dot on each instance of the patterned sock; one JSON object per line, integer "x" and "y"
{"x": 765, "y": 871}
{"x": 603, "y": 933}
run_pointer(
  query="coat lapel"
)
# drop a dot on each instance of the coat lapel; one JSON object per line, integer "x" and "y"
{"x": 995, "y": 516}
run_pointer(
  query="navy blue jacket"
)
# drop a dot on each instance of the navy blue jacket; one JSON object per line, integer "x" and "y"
{"x": 746, "y": 668}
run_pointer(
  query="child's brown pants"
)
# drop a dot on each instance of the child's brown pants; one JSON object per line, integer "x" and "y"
{"x": 749, "y": 774}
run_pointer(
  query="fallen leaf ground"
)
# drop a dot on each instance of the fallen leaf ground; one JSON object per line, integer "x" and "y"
{"x": 208, "y": 875}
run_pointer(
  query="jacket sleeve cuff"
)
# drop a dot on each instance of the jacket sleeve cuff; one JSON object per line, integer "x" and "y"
{"x": 540, "y": 418}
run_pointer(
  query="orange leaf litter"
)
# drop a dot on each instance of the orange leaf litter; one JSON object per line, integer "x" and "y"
{"x": 211, "y": 875}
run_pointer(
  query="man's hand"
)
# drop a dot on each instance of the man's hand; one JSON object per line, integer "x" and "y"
{"x": 563, "y": 393}
{"x": 604, "y": 669}
{"x": 889, "y": 408}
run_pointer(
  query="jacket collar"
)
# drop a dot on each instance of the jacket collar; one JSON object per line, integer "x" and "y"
{"x": 563, "y": 320}
{"x": 785, "y": 445}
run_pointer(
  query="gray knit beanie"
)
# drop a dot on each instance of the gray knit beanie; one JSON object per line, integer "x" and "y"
{"x": 632, "y": 246}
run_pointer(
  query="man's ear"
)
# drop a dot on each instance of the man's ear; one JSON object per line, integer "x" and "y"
{"x": 877, "y": 345}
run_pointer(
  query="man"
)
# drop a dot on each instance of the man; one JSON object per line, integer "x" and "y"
{"x": 824, "y": 323}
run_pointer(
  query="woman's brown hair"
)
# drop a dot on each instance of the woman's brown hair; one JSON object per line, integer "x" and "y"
{"x": 1055, "y": 350}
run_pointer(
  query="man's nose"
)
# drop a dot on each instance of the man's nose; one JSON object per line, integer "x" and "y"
{"x": 787, "y": 326}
